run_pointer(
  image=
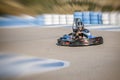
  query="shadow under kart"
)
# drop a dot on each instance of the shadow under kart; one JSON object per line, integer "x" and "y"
{"x": 67, "y": 40}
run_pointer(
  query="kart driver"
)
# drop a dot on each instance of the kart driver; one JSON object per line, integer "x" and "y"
{"x": 79, "y": 34}
{"x": 78, "y": 23}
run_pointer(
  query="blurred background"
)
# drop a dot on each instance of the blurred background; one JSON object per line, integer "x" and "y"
{"x": 33, "y": 7}
{"x": 49, "y": 12}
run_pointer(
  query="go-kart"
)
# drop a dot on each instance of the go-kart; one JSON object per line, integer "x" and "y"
{"x": 86, "y": 40}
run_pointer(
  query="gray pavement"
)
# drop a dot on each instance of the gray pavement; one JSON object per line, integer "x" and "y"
{"x": 101, "y": 62}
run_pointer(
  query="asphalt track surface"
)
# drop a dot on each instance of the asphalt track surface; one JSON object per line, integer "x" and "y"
{"x": 101, "y": 62}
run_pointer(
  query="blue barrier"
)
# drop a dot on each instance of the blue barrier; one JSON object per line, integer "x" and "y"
{"x": 78, "y": 15}
{"x": 13, "y": 20}
{"x": 100, "y": 22}
{"x": 89, "y": 17}
{"x": 39, "y": 20}
{"x": 86, "y": 17}
{"x": 94, "y": 16}
{"x": 100, "y": 16}
{"x": 86, "y": 21}
{"x": 94, "y": 22}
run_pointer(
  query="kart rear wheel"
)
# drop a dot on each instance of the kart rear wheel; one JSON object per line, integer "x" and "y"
{"x": 99, "y": 40}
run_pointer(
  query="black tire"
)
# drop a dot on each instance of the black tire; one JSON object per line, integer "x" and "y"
{"x": 96, "y": 41}
{"x": 99, "y": 40}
